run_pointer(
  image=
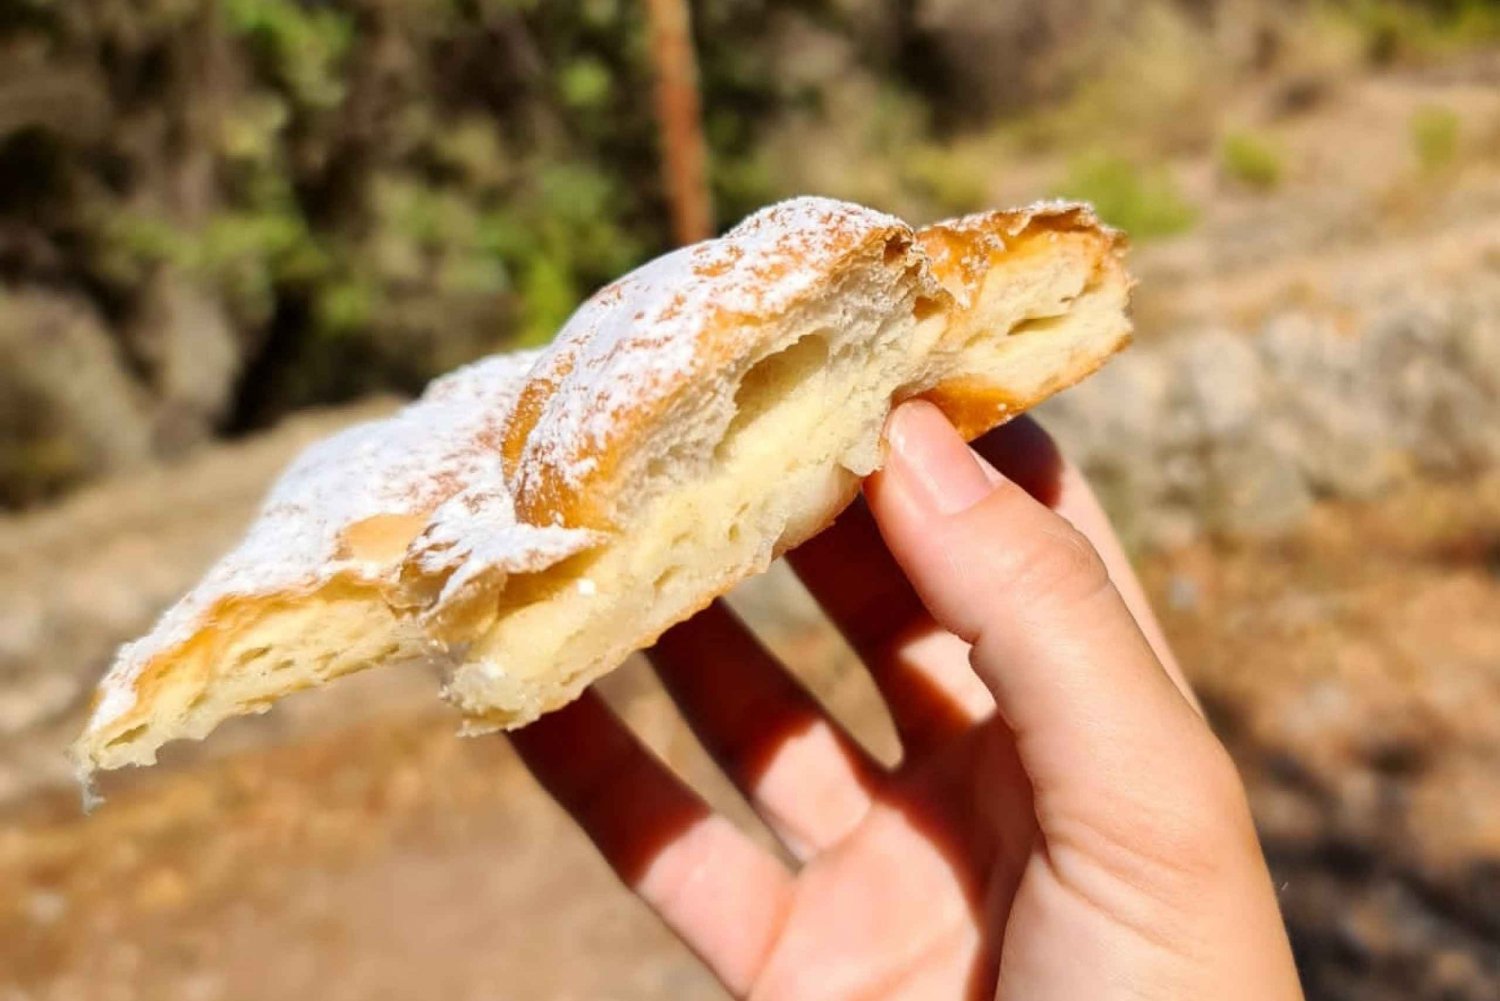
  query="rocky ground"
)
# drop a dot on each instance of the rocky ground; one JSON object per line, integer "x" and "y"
{"x": 1303, "y": 446}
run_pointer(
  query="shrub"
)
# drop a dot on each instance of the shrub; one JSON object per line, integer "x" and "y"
{"x": 1393, "y": 29}
{"x": 1252, "y": 160}
{"x": 1143, "y": 201}
{"x": 1435, "y": 133}
{"x": 304, "y": 48}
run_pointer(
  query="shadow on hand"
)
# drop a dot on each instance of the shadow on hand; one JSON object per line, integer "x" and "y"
{"x": 1027, "y": 455}
{"x": 633, "y": 808}
{"x": 625, "y": 800}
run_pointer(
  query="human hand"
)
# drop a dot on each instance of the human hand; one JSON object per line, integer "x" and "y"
{"x": 1062, "y": 823}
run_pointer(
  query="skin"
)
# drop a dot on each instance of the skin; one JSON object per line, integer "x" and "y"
{"x": 1062, "y": 824}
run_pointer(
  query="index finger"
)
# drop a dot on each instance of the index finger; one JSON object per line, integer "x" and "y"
{"x": 720, "y": 892}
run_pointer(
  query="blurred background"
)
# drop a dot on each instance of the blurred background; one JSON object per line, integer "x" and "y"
{"x": 230, "y": 226}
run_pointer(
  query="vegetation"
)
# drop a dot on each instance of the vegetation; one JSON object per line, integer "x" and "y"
{"x": 261, "y": 204}
{"x": 1435, "y": 134}
{"x": 1252, "y": 160}
{"x": 1143, "y": 201}
{"x": 1148, "y": 86}
{"x": 1406, "y": 30}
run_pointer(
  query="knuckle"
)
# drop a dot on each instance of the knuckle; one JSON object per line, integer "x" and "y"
{"x": 1195, "y": 834}
{"x": 1221, "y": 789}
{"x": 1171, "y": 835}
{"x": 1062, "y": 561}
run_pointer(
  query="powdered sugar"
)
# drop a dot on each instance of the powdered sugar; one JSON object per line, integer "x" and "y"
{"x": 1016, "y": 221}
{"x": 438, "y": 457}
{"x": 476, "y": 532}
{"x": 640, "y": 338}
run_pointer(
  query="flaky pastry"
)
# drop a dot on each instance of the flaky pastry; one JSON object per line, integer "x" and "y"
{"x": 535, "y": 517}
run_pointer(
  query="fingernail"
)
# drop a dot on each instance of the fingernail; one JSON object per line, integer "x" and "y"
{"x": 929, "y": 458}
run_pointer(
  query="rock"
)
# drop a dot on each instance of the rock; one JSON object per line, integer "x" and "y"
{"x": 1109, "y": 427}
{"x": 1325, "y": 406}
{"x": 1443, "y": 385}
{"x": 1237, "y": 433}
{"x": 1248, "y": 479}
{"x": 68, "y": 406}
{"x": 1220, "y": 384}
{"x": 185, "y": 334}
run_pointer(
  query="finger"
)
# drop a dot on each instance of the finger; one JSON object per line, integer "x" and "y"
{"x": 1072, "y": 674}
{"x": 721, "y": 893}
{"x": 1024, "y": 453}
{"x": 921, "y": 669}
{"x": 800, "y": 771}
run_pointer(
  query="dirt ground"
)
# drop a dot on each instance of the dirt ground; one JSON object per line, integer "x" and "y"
{"x": 1352, "y": 667}
{"x": 348, "y": 846}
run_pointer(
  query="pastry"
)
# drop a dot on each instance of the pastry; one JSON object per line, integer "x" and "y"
{"x": 536, "y": 517}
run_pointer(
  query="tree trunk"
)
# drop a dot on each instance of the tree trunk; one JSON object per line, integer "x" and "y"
{"x": 679, "y": 117}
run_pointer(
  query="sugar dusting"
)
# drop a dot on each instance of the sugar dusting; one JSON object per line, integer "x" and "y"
{"x": 475, "y": 533}
{"x": 636, "y": 338}
{"x": 639, "y": 338}
{"x": 407, "y": 464}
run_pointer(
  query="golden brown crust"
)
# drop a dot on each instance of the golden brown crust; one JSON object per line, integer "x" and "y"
{"x": 962, "y": 250}
{"x": 572, "y": 478}
{"x": 973, "y": 406}
{"x": 968, "y": 251}
{"x": 539, "y": 387}
{"x": 630, "y": 354}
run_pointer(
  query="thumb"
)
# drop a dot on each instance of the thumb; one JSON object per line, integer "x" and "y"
{"x": 1141, "y": 812}
{"x": 1070, "y": 670}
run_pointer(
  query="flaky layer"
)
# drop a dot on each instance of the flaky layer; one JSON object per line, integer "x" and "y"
{"x": 634, "y": 359}
{"x": 781, "y": 435}
{"x": 304, "y": 597}
{"x": 534, "y": 519}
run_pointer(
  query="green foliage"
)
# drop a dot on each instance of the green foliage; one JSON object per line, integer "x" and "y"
{"x": 471, "y": 150}
{"x": 571, "y": 243}
{"x": 1435, "y": 135}
{"x": 585, "y": 84}
{"x": 745, "y": 90}
{"x": 1155, "y": 85}
{"x": 1143, "y": 201}
{"x": 948, "y": 179}
{"x": 345, "y": 304}
{"x": 244, "y": 254}
{"x": 1252, "y": 160}
{"x": 302, "y": 45}
{"x": 252, "y": 131}
{"x": 490, "y": 163}
{"x": 742, "y": 182}
{"x": 548, "y": 295}
{"x": 1393, "y": 29}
